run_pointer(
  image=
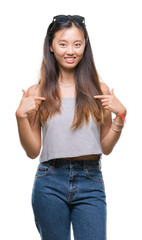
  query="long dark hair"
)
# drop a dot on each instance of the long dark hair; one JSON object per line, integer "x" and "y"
{"x": 87, "y": 82}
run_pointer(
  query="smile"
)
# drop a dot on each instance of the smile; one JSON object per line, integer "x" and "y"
{"x": 70, "y": 59}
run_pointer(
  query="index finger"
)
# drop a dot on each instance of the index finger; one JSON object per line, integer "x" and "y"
{"x": 102, "y": 96}
{"x": 40, "y": 98}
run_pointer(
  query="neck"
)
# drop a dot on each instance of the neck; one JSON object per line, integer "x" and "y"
{"x": 66, "y": 77}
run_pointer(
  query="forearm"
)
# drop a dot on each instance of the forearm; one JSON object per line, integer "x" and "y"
{"x": 112, "y": 136}
{"x": 27, "y": 138}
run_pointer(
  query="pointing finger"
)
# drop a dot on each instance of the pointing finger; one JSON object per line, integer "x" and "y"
{"x": 40, "y": 98}
{"x": 102, "y": 96}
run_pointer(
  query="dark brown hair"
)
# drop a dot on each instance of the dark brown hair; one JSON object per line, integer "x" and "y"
{"x": 87, "y": 83}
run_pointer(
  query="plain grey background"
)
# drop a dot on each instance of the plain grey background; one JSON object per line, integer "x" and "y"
{"x": 114, "y": 28}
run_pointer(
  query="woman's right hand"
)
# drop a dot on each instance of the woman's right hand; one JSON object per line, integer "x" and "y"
{"x": 28, "y": 105}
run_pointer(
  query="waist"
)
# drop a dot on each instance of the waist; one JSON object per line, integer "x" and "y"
{"x": 67, "y": 163}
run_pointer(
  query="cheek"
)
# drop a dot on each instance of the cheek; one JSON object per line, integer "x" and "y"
{"x": 79, "y": 55}
{"x": 59, "y": 54}
{"x": 80, "y": 52}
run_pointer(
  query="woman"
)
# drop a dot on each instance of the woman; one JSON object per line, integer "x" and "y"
{"x": 74, "y": 110}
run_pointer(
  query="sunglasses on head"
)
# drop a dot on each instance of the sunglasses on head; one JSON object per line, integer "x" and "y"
{"x": 65, "y": 18}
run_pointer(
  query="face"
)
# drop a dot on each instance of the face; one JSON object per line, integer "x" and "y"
{"x": 68, "y": 47}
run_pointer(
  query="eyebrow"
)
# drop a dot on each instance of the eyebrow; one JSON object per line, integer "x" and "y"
{"x": 63, "y": 40}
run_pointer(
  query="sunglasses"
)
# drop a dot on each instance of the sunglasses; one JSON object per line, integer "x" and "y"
{"x": 65, "y": 18}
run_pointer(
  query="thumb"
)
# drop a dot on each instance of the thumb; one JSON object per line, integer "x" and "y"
{"x": 112, "y": 91}
{"x": 24, "y": 93}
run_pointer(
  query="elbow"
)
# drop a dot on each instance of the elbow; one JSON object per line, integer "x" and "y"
{"x": 32, "y": 156}
{"x": 106, "y": 151}
{"x": 33, "y": 153}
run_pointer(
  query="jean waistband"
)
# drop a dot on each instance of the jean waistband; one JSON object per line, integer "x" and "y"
{"x": 68, "y": 163}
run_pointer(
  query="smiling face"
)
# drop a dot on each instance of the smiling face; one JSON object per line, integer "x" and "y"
{"x": 68, "y": 46}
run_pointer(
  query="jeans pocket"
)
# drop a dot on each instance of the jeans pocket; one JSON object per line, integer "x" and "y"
{"x": 95, "y": 174}
{"x": 42, "y": 170}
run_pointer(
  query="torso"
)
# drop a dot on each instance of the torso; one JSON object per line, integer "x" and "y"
{"x": 70, "y": 92}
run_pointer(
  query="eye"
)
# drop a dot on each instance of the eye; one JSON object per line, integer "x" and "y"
{"x": 77, "y": 44}
{"x": 62, "y": 44}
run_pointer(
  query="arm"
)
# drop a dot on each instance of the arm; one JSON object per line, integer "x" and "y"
{"x": 28, "y": 123}
{"x": 108, "y": 136}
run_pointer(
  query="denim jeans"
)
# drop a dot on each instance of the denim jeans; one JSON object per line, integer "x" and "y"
{"x": 69, "y": 191}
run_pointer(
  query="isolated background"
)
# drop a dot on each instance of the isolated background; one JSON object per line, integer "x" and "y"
{"x": 114, "y": 28}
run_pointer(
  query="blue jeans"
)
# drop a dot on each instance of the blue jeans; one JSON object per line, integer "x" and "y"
{"x": 69, "y": 191}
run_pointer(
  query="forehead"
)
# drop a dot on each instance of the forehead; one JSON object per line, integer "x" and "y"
{"x": 71, "y": 33}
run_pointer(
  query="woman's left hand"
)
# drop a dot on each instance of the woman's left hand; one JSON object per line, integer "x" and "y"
{"x": 111, "y": 103}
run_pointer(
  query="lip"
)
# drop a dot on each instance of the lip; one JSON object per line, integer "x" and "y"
{"x": 70, "y": 59}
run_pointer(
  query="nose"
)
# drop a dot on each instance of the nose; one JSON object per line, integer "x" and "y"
{"x": 70, "y": 50}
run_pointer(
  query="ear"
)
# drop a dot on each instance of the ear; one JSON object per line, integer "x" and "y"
{"x": 51, "y": 49}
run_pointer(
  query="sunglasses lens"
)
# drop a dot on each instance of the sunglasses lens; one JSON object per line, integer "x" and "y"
{"x": 61, "y": 18}
{"x": 78, "y": 19}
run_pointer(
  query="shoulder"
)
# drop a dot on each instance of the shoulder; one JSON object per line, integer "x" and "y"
{"x": 104, "y": 88}
{"x": 34, "y": 90}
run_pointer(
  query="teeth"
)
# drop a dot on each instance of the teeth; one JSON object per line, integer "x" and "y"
{"x": 70, "y": 58}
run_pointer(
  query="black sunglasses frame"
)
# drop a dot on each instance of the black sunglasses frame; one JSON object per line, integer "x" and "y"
{"x": 65, "y": 18}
